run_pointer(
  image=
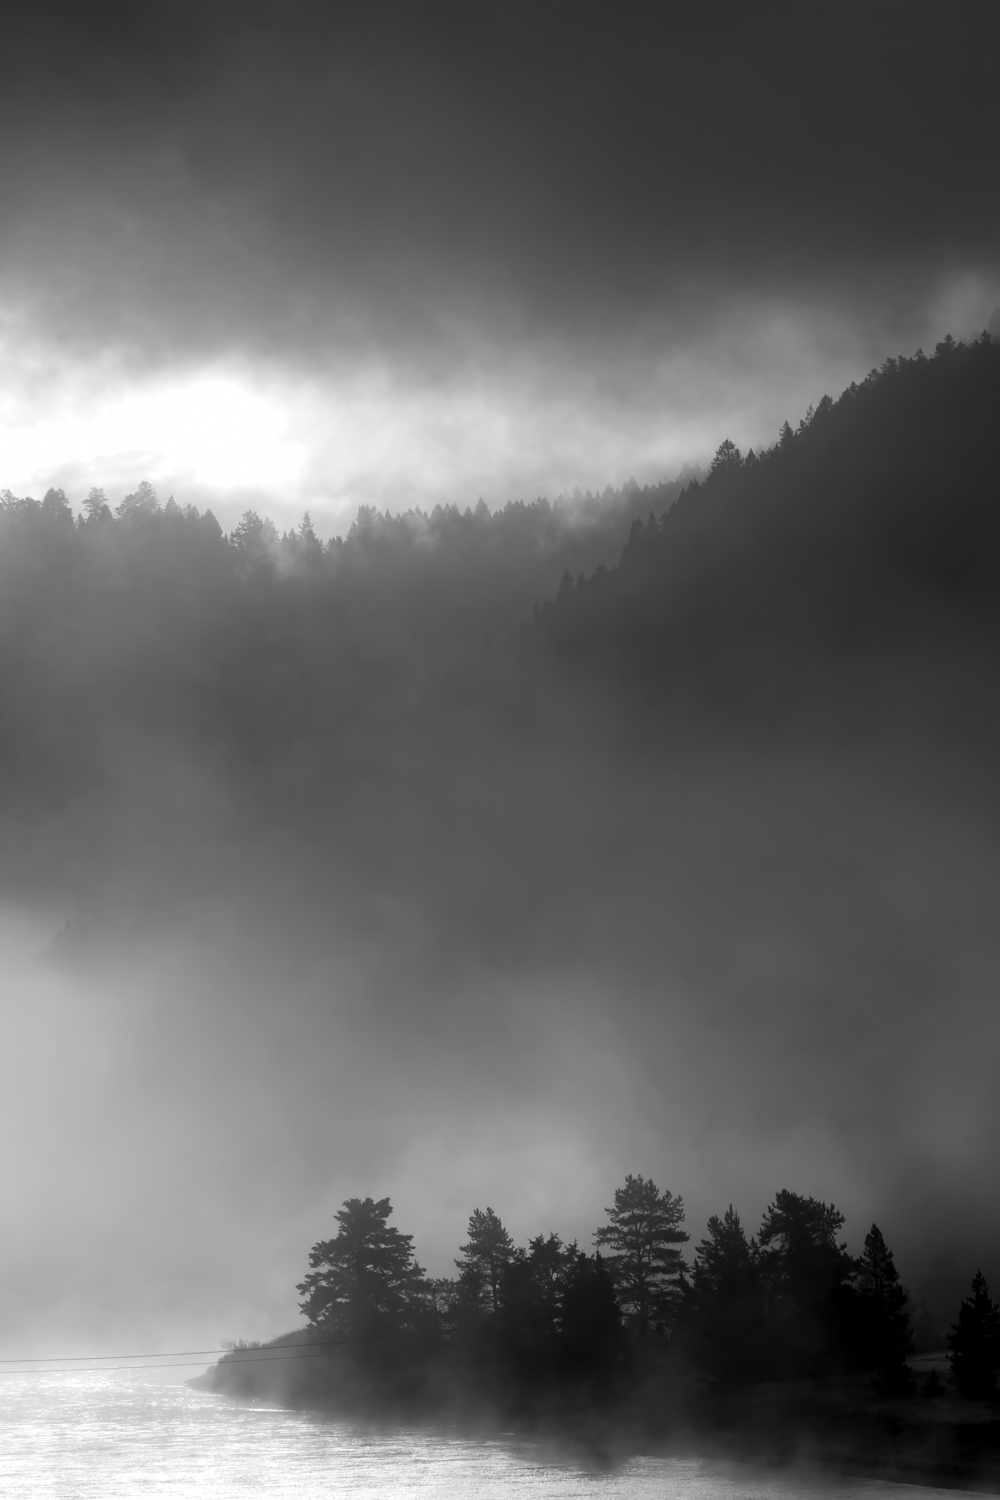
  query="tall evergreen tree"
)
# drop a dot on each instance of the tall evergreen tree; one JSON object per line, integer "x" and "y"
{"x": 96, "y": 505}
{"x": 724, "y": 1308}
{"x": 727, "y": 459}
{"x": 808, "y": 1274}
{"x": 483, "y": 1258}
{"x": 365, "y": 1283}
{"x": 590, "y": 1325}
{"x": 974, "y": 1343}
{"x": 641, "y": 1238}
{"x": 883, "y": 1338}
{"x": 530, "y": 1300}
{"x": 143, "y": 502}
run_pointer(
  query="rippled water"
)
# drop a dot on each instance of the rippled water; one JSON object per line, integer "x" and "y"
{"x": 125, "y": 1434}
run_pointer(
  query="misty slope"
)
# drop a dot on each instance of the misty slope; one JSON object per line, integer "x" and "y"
{"x": 187, "y": 718}
{"x": 137, "y": 647}
{"x": 876, "y": 523}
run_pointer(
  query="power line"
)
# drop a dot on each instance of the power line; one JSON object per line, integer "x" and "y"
{"x": 173, "y": 1359}
{"x": 183, "y": 1353}
{"x": 39, "y": 1359}
{"x": 248, "y": 1358}
{"x": 104, "y": 1369}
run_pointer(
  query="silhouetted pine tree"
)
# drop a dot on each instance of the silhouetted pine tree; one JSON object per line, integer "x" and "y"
{"x": 883, "y": 1337}
{"x": 483, "y": 1258}
{"x": 364, "y": 1284}
{"x": 808, "y": 1275}
{"x": 530, "y": 1298}
{"x": 641, "y": 1238}
{"x": 725, "y": 1315}
{"x": 974, "y": 1343}
{"x": 590, "y": 1343}
{"x": 727, "y": 459}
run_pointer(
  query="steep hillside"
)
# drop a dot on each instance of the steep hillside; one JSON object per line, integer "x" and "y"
{"x": 877, "y": 521}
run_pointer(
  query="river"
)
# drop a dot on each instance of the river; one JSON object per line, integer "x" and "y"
{"x": 131, "y": 1434}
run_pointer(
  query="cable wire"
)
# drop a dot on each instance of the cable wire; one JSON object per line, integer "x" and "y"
{"x": 175, "y": 1359}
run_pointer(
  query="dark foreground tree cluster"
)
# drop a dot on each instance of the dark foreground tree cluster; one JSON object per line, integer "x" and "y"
{"x": 526, "y": 1325}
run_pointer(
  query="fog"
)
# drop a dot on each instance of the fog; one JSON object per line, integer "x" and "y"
{"x": 511, "y": 982}
{"x": 502, "y": 417}
{"x": 318, "y": 878}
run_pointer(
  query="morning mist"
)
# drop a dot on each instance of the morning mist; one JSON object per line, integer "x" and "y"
{"x": 498, "y": 634}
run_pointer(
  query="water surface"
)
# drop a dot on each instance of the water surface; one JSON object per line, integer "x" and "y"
{"x": 129, "y": 1434}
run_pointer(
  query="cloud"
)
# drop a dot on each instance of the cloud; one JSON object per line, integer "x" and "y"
{"x": 475, "y": 253}
{"x": 499, "y": 423}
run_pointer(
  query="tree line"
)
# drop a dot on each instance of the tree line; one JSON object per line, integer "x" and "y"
{"x": 788, "y": 1303}
{"x": 141, "y": 621}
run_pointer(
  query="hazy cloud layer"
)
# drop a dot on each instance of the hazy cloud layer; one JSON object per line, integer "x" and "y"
{"x": 274, "y": 177}
{"x": 493, "y": 250}
{"x": 507, "y": 983}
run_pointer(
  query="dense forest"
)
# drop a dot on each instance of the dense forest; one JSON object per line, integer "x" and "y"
{"x": 160, "y": 639}
{"x": 874, "y": 520}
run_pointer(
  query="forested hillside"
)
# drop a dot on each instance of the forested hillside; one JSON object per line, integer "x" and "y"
{"x": 875, "y": 523}
{"x": 147, "y": 627}
{"x": 736, "y": 784}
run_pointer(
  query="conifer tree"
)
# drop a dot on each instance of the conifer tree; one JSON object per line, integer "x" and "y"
{"x": 590, "y": 1327}
{"x": 884, "y": 1336}
{"x": 483, "y": 1258}
{"x": 96, "y": 505}
{"x": 725, "y": 1312}
{"x": 727, "y": 459}
{"x": 974, "y": 1343}
{"x": 364, "y": 1283}
{"x": 641, "y": 1239}
{"x": 530, "y": 1298}
{"x": 808, "y": 1275}
{"x": 143, "y": 502}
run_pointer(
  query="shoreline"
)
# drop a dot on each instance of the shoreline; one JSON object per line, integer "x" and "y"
{"x": 838, "y": 1427}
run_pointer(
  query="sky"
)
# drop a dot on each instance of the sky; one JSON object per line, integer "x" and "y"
{"x": 313, "y": 257}
{"x": 300, "y": 256}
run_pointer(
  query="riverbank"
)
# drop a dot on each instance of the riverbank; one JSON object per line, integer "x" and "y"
{"x": 839, "y": 1425}
{"x": 942, "y": 1441}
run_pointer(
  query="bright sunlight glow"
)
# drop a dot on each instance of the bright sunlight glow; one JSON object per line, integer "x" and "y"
{"x": 214, "y": 429}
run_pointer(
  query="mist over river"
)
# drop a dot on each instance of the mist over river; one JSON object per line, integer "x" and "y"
{"x": 126, "y": 1434}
